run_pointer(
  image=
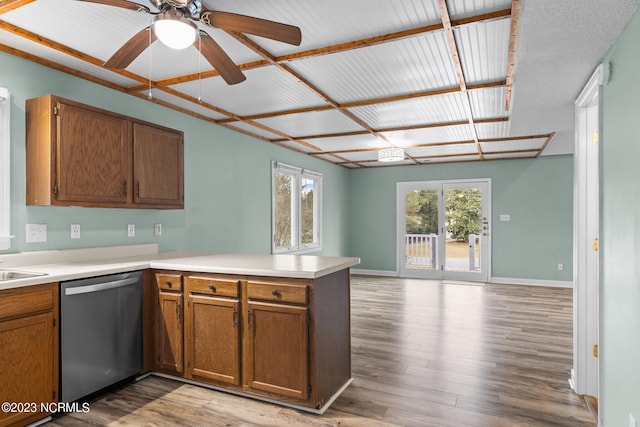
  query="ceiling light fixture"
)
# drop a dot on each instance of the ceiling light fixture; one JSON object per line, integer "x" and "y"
{"x": 391, "y": 154}
{"x": 175, "y": 31}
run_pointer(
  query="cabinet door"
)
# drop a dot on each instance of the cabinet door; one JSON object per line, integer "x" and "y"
{"x": 169, "y": 332}
{"x": 26, "y": 365}
{"x": 279, "y": 349}
{"x": 213, "y": 339}
{"x": 158, "y": 166}
{"x": 92, "y": 156}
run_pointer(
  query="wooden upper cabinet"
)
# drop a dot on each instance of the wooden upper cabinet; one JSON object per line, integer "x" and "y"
{"x": 92, "y": 154}
{"x": 84, "y": 156}
{"x": 158, "y": 165}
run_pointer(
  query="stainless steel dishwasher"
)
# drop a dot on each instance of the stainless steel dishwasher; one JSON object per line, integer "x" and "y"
{"x": 100, "y": 334}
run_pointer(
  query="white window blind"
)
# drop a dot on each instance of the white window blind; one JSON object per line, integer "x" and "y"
{"x": 5, "y": 169}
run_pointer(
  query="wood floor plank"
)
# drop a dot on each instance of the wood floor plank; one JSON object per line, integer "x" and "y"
{"x": 424, "y": 353}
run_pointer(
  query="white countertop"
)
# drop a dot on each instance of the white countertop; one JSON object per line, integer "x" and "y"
{"x": 77, "y": 264}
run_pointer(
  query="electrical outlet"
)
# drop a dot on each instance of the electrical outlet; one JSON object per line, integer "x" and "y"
{"x": 560, "y": 267}
{"x": 131, "y": 230}
{"x": 157, "y": 229}
{"x": 36, "y": 233}
{"x": 505, "y": 217}
{"x": 75, "y": 231}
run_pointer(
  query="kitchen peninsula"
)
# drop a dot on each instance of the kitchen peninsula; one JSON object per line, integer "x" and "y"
{"x": 271, "y": 327}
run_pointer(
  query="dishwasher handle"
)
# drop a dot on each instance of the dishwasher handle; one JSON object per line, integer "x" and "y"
{"x": 100, "y": 286}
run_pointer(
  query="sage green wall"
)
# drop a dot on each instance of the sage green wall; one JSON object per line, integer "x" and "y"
{"x": 538, "y": 194}
{"x": 227, "y": 179}
{"x": 620, "y": 232}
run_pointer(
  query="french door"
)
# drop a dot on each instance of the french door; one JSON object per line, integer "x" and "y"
{"x": 443, "y": 229}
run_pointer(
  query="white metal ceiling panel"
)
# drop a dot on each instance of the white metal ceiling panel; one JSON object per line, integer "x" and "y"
{"x": 484, "y": 50}
{"x": 442, "y": 150}
{"x": 359, "y": 156}
{"x": 255, "y": 130}
{"x": 64, "y": 60}
{"x": 488, "y": 103}
{"x": 354, "y": 142}
{"x": 409, "y": 65}
{"x": 265, "y": 89}
{"x": 416, "y": 111}
{"x": 493, "y": 130}
{"x": 160, "y": 95}
{"x": 407, "y": 138}
{"x": 459, "y": 9}
{"x": 513, "y": 145}
{"x": 467, "y": 158}
{"x": 334, "y": 21}
{"x": 317, "y": 122}
{"x": 295, "y": 146}
{"x": 526, "y": 155}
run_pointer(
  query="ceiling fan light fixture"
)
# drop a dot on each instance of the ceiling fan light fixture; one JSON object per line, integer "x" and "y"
{"x": 391, "y": 154}
{"x": 175, "y": 31}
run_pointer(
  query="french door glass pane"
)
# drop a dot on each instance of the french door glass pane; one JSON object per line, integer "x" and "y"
{"x": 463, "y": 223}
{"x": 421, "y": 229}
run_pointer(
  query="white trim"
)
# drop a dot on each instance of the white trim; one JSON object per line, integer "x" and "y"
{"x": 5, "y": 169}
{"x": 531, "y": 282}
{"x": 363, "y": 272}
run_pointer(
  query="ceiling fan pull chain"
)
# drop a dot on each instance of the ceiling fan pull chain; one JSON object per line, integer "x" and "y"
{"x": 150, "y": 95}
{"x": 199, "y": 69}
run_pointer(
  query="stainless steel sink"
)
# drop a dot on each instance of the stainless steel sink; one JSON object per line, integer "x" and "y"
{"x": 15, "y": 274}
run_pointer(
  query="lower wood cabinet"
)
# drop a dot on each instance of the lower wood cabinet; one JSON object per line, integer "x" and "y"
{"x": 277, "y": 358}
{"x": 281, "y": 339}
{"x": 169, "y": 354}
{"x": 28, "y": 352}
{"x": 212, "y": 329}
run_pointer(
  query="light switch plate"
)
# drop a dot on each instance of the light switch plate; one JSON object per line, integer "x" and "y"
{"x": 36, "y": 233}
{"x": 157, "y": 229}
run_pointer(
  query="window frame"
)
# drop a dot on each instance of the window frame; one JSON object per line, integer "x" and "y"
{"x": 5, "y": 170}
{"x": 297, "y": 174}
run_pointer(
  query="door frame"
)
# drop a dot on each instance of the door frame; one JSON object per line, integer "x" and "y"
{"x": 587, "y": 206}
{"x": 439, "y": 274}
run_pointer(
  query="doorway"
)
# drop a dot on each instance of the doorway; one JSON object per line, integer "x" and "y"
{"x": 443, "y": 229}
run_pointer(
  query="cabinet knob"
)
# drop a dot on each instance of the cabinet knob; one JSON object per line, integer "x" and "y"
{"x": 213, "y": 288}
{"x": 274, "y": 292}
{"x": 168, "y": 283}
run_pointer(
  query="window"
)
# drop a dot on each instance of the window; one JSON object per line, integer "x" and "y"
{"x": 5, "y": 170}
{"x": 296, "y": 208}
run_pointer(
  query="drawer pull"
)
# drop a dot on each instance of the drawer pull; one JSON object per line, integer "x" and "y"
{"x": 213, "y": 288}
{"x": 274, "y": 293}
{"x": 168, "y": 283}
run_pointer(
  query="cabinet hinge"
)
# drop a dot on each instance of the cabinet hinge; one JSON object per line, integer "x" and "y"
{"x": 54, "y": 323}
{"x": 53, "y": 395}
{"x": 308, "y": 318}
{"x": 595, "y": 351}
{"x": 55, "y": 111}
{"x": 309, "y": 390}
{"x": 124, "y": 185}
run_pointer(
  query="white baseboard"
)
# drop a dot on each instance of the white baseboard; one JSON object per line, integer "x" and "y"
{"x": 385, "y": 273}
{"x": 531, "y": 282}
{"x": 499, "y": 280}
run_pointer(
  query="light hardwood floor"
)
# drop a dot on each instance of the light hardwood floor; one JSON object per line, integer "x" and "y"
{"x": 424, "y": 354}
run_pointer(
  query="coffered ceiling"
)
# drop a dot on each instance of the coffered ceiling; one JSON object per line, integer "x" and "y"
{"x": 439, "y": 78}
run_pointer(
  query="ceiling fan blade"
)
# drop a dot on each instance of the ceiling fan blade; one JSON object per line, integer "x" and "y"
{"x": 122, "y": 3}
{"x": 217, "y": 57}
{"x": 131, "y": 49}
{"x": 258, "y": 27}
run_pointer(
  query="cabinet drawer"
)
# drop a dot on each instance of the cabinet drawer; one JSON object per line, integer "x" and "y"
{"x": 296, "y": 294}
{"x": 26, "y": 301}
{"x": 169, "y": 282}
{"x": 213, "y": 286}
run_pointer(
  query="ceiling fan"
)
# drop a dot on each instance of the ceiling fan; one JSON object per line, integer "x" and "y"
{"x": 174, "y": 24}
